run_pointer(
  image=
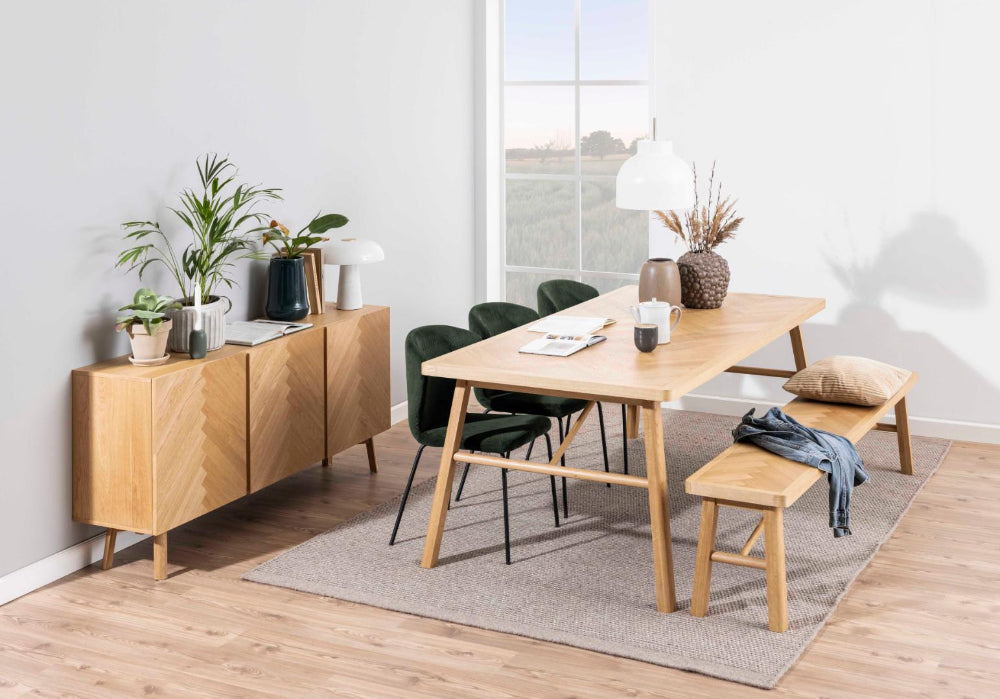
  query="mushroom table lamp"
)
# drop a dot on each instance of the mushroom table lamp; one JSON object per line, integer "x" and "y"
{"x": 349, "y": 253}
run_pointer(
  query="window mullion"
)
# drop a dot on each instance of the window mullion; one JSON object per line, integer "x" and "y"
{"x": 579, "y": 154}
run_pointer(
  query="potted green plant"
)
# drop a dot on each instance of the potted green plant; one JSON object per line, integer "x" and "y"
{"x": 147, "y": 324}
{"x": 224, "y": 224}
{"x": 287, "y": 297}
{"x": 704, "y": 272}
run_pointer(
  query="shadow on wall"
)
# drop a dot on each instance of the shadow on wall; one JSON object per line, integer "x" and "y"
{"x": 926, "y": 263}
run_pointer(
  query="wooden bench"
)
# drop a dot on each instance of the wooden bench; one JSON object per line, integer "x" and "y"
{"x": 748, "y": 477}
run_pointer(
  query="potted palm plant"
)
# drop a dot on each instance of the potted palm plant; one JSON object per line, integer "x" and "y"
{"x": 224, "y": 222}
{"x": 147, "y": 324}
{"x": 287, "y": 296}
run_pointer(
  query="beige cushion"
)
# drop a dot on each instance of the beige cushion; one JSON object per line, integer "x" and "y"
{"x": 853, "y": 380}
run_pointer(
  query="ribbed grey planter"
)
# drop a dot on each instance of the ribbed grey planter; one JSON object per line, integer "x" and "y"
{"x": 213, "y": 322}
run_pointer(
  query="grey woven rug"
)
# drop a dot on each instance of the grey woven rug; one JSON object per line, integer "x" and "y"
{"x": 590, "y": 582}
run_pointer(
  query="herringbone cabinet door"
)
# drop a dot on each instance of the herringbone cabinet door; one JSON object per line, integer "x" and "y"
{"x": 357, "y": 379}
{"x": 286, "y": 407}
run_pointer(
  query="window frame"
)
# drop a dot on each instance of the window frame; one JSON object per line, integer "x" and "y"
{"x": 495, "y": 287}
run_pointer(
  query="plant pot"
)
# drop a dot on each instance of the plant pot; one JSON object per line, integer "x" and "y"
{"x": 704, "y": 279}
{"x": 287, "y": 297}
{"x": 145, "y": 346}
{"x": 660, "y": 279}
{"x": 213, "y": 322}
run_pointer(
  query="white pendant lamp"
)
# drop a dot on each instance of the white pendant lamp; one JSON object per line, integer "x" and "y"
{"x": 654, "y": 178}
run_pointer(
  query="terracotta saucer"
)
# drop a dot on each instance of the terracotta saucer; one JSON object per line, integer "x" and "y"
{"x": 149, "y": 362}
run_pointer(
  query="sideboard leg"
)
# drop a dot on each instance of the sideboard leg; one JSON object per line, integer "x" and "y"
{"x": 160, "y": 556}
{"x": 326, "y": 462}
{"x": 372, "y": 463}
{"x": 109, "y": 549}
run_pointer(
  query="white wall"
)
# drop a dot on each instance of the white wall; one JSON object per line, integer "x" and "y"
{"x": 363, "y": 108}
{"x": 861, "y": 139}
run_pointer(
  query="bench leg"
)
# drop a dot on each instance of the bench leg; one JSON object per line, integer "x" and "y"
{"x": 903, "y": 438}
{"x": 703, "y": 559}
{"x": 774, "y": 548}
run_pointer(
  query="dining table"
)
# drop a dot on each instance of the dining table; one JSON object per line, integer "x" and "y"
{"x": 705, "y": 344}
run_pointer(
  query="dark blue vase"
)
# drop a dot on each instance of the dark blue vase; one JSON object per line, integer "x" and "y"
{"x": 287, "y": 298}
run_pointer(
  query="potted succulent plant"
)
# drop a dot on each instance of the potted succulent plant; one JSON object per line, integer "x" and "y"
{"x": 287, "y": 297}
{"x": 147, "y": 325}
{"x": 224, "y": 225}
{"x": 704, "y": 272}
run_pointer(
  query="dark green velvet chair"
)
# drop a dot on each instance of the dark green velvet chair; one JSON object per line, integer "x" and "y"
{"x": 557, "y": 295}
{"x": 429, "y": 404}
{"x": 494, "y": 318}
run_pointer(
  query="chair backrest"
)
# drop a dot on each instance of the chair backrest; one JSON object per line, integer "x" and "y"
{"x": 429, "y": 398}
{"x": 495, "y": 317}
{"x": 559, "y": 294}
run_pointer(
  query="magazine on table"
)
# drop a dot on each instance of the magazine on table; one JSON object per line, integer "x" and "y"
{"x": 254, "y": 332}
{"x": 570, "y": 325}
{"x": 554, "y": 345}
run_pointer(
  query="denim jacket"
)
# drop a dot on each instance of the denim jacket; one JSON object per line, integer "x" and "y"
{"x": 783, "y": 435}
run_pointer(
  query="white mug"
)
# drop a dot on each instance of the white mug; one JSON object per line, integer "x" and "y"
{"x": 657, "y": 312}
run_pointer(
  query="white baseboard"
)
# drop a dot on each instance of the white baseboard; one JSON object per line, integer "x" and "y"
{"x": 398, "y": 413}
{"x": 923, "y": 426}
{"x": 58, "y": 565}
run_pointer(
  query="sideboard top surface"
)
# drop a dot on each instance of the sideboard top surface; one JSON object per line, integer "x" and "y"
{"x": 120, "y": 367}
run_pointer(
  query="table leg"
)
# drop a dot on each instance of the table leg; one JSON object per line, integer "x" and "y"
{"x": 798, "y": 348}
{"x": 632, "y": 421}
{"x": 446, "y": 474}
{"x": 659, "y": 508}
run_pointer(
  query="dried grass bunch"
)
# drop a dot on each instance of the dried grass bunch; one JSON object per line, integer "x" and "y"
{"x": 704, "y": 226}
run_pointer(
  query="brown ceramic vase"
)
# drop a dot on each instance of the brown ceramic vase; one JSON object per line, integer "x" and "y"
{"x": 660, "y": 279}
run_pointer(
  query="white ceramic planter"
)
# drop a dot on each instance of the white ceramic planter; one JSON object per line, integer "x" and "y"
{"x": 147, "y": 347}
{"x": 213, "y": 322}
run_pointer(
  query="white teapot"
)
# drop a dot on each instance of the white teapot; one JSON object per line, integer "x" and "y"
{"x": 658, "y": 313}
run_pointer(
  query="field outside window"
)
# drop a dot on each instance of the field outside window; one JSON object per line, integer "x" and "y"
{"x": 575, "y": 101}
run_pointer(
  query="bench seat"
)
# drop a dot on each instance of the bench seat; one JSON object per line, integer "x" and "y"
{"x": 747, "y": 476}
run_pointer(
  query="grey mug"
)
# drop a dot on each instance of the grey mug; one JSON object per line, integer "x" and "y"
{"x": 646, "y": 336}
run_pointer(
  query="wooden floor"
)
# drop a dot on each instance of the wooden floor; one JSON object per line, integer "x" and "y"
{"x": 923, "y": 619}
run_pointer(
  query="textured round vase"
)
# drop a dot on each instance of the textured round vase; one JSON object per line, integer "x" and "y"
{"x": 704, "y": 279}
{"x": 660, "y": 279}
{"x": 213, "y": 322}
{"x": 287, "y": 297}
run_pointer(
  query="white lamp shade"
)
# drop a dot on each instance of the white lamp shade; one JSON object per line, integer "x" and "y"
{"x": 654, "y": 178}
{"x": 352, "y": 251}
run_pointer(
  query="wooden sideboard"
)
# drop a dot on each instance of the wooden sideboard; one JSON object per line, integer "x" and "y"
{"x": 155, "y": 447}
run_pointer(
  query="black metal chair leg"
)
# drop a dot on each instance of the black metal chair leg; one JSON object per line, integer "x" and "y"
{"x": 552, "y": 482}
{"x": 625, "y": 438}
{"x": 506, "y": 516}
{"x": 562, "y": 462}
{"x": 527, "y": 456}
{"x": 406, "y": 494}
{"x": 604, "y": 440}
{"x": 461, "y": 483}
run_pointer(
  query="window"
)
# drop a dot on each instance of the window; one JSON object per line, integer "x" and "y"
{"x": 575, "y": 99}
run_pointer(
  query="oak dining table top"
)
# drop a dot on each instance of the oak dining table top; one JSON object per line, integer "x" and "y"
{"x": 704, "y": 344}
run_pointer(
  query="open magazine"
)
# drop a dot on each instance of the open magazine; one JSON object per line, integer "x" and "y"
{"x": 561, "y": 345}
{"x": 254, "y": 332}
{"x": 570, "y": 325}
